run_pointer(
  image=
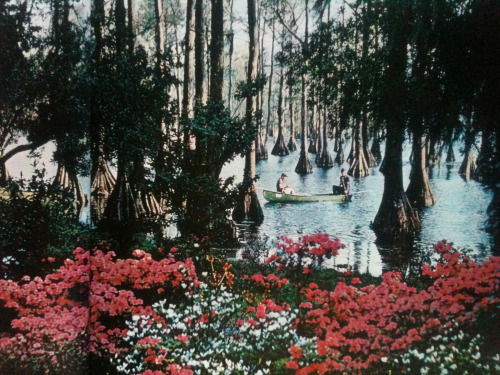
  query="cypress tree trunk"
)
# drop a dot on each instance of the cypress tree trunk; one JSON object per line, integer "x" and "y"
{"x": 162, "y": 131}
{"x": 319, "y": 142}
{"x": 370, "y": 158}
{"x": 493, "y": 222}
{"x": 216, "y": 52}
{"x": 336, "y": 138}
{"x": 395, "y": 219}
{"x": 340, "y": 158}
{"x": 375, "y": 149}
{"x": 102, "y": 186}
{"x": 304, "y": 166}
{"x": 131, "y": 25}
{"x": 313, "y": 139}
{"x": 450, "y": 155}
{"x": 468, "y": 165}
{"x": 350, "y": 156}
{"x": 358, "y": 164}
{"x": 207, "y": 43}
{"x": 485, "y": 160}
{"x": 159, "y": 36}
{"x": 199, "y": 55}
{"x": 260, "y": 147}
{"x": 433, "y": 155}
{"x": 325, "y": 159}
{"x": 66, "y": 178}
{"x": 66, "y": 175}
{"x": 97, "y": 22}
{"x": 263, "y": 144}
{"x": 419, "y": 190}
{"x": 279, "y": 148}
{"x": 103, "y": 181}
{"x": 187, "y": 88}
{"x": 248, "y": 205}
{"x": 269, "y": 130}
{"x": 230, "y": 36}
{"x": 178, "y": 74}
{"x": 292, "y": 144}
{"x": 124, "y": 209}
{"x": 124, "y": 204}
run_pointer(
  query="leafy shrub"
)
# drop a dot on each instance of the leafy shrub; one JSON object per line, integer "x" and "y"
{"x": 38, "y": 225}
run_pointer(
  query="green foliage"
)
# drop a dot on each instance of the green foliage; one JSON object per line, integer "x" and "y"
{"x": 245, "y": 89}
{"x": 38, "y": 222}
{"x": 201, "y": 200}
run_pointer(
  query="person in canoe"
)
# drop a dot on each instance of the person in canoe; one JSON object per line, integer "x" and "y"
{"x": 282, "y": 186}
{"x": 345, "y": 184}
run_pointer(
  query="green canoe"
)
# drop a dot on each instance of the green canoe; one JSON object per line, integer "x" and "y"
{"x": 273, "y": 196}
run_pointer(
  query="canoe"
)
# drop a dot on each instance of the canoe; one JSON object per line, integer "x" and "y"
{"x": 275, "y": 197}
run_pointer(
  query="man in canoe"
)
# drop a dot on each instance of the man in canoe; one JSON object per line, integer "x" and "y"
{"x": 344, "y": 182}
{"x": 282, "y": 186}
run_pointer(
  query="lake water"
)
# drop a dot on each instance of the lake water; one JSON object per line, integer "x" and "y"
{"x": 458, "y": 216}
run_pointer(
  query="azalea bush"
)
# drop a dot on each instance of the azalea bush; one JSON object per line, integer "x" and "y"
{"x": 452, "y": 351}
{"x": 79, "y": 309}
{"x": 156, "y": 317}
{"x": 205, "y": 336}
{"x": 357, "y": 327}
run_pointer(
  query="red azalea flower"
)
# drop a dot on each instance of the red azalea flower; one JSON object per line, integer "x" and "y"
{"x": 295, "y": 351}
{"x": 183, "y": 338}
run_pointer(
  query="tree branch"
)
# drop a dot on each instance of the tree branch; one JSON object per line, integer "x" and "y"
{"x": 21, "y": 148}
{"x": 288, "y": 28}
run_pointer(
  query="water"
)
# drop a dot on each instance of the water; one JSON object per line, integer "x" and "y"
{"x": 458, "y": 216}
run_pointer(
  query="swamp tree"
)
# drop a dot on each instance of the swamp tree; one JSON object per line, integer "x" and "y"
{"x": 396, "y": 219}
{"x": 248, "y": 205}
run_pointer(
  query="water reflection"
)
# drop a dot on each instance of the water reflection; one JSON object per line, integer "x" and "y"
{"x": 458, "y": 215}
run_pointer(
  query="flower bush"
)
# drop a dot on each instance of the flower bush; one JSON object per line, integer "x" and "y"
{"x": 206, "y": 336}
{"x": 157, "y": 317}
{"x": 305, "y": 256}
{"x": 356, "y": 328}
{"x": 78, "y": 308}
{"x": 452, "y": 351}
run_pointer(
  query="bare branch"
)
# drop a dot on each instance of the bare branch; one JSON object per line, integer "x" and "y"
{"x": 288, "y": 28}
